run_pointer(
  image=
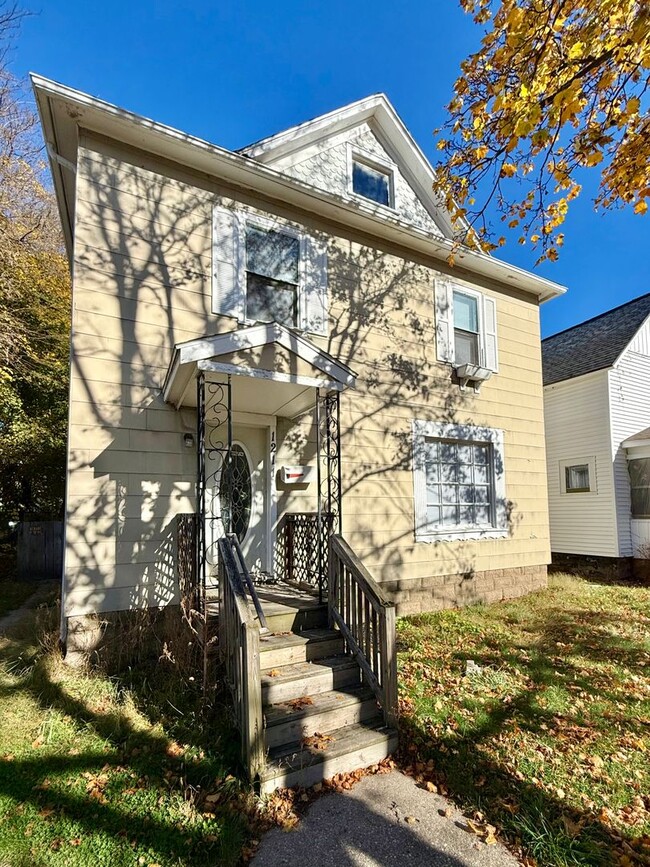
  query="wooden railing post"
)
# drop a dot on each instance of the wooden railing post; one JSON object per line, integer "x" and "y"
{"x": 389, "y": 665}
{"x": 366, "y": 619}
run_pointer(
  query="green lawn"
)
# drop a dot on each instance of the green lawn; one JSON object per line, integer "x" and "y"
{"x": 550, "y": 739}
{"x": 112, "y": 771}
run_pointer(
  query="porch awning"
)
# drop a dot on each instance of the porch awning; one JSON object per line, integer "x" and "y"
{"x": 277, "y": 370}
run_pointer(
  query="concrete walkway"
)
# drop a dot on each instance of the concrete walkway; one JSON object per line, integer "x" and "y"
{"x": 368, "y": 827}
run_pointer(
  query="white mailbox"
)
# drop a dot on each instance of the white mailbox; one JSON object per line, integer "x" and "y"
{"x": 297, "y": 475}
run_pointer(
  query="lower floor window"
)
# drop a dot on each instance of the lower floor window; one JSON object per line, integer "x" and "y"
{"x": 639, "y": 470}
{"x": 458, "y": 481}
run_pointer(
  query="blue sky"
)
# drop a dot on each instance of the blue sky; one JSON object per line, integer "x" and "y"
{"x": 232, "y": 72}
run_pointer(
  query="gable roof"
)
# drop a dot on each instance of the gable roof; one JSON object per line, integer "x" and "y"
{"x": 64, "y": 111}
{"x": 379, "y": 113}
{"x": 595, "y": 344}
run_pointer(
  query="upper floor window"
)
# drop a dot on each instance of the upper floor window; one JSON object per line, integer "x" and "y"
{"x": 467, "y": 333}
{"x": 371, "y": 183}
{"x": 371, "y": 177}
{"x": 466, "y": 326}
{"x": 272, "y": 276}
{"x": 266, "y": 269}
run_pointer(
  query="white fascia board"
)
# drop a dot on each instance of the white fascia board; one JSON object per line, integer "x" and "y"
{"x": 571, "y": 380}
{"x": 211, "y": 348}
{"x": 72, "y": 109}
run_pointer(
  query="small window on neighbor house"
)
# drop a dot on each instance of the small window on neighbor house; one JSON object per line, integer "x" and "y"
{"x": 272, "y": 276}
{"x": 577, "y": 479}
{"x": 371, "y": 182}
{"x": 639, "y": 470}
{"x": 466, "y": 329}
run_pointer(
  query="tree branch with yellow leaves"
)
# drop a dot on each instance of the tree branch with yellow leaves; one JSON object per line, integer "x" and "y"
{"x": 557, "y": 86}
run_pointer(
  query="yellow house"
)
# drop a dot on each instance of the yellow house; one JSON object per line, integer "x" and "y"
{"x": 314, "y": 263}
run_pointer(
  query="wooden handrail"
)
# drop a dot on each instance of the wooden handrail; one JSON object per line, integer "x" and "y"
{"x": 239, "y": 644}
{"x": 366, "y": 618}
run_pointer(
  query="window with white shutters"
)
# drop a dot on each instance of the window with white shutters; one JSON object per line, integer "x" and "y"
{"x": 266, "y": 270}
{"x": 466, "y": 326}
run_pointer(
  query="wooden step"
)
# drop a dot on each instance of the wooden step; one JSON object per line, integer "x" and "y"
{"x": 309, "y": 678}
{"x": 290, "y": 722}
{"x": 305, "y": 646}
{"x": 356, "y": 746}
{"x": 283, "y": 618}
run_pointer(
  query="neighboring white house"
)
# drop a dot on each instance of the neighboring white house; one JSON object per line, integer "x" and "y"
{"x": 597, "y": 413}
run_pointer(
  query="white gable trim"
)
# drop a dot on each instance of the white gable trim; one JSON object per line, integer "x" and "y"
{"x": 208, "y": 349}
{"x": 392, "y": 133}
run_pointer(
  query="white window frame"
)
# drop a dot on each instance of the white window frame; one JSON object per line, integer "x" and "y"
{"x": 578, "y": 462}
{"x": 357, "y": 154}
{"x": 444, "y": 289}
{"x": 423, "y": 430}
{"x": 281, "y": 227}
{"x": 229, "y": 283}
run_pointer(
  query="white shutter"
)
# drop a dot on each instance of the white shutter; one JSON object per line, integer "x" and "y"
{"x": 489, "y": 334}
{"x": 228, "y": 290}
{"x": 313, "y": 304}
{"x": 444, "y": 321}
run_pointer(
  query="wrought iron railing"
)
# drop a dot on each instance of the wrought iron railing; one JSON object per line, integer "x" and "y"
{"x": 186, "y": 571}
{"x": 301, "y": 549}
{"x": 239, "y": 646}
{"x": 366, "y": 618}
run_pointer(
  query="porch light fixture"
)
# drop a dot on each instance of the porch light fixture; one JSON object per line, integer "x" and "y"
{"x": 472, "y": 374}
{"x": 188, "y": 440}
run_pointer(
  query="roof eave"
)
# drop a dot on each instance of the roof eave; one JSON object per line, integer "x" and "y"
{"x": 74, "y": 109}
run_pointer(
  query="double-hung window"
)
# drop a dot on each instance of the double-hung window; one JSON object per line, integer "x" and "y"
{"x": 272, "y": 275}
{"x": 265, "y": 269}
{"x": 459, "y": 482}
{"x": 466, "y": 326}
{"x": 467, "y": 333}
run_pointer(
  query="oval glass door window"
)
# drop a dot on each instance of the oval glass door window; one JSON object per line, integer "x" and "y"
{"x": 236, "y": 495}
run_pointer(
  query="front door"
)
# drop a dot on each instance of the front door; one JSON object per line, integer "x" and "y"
{"x": 249, "y": 485}
{"x": 241, "y": 499}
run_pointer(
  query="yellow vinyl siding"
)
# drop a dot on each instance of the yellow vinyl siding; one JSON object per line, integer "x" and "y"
{"x": 142, "y": 282}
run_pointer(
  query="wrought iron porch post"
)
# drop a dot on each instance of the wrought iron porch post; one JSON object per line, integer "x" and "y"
{"x": 200, "y": 490}
{"x": 319, "y": 503}
{"x": 213, "y": 407}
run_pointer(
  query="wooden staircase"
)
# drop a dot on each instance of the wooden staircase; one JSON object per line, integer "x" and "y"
{"x": 314, "y": 685}
{"x": 320, "y": 719}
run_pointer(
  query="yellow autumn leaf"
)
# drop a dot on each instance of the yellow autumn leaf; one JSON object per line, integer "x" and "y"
{"x": 576, "y": 50}
{"x": 508, "y": 170}
{"x": 641, "y": 207}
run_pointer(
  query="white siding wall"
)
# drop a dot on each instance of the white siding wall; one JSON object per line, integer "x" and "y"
{"x": 577, "y": 428}
{"x": 629, "y": 396}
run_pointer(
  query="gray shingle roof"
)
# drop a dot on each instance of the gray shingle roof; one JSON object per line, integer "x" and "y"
{"x": 594, "y": 344}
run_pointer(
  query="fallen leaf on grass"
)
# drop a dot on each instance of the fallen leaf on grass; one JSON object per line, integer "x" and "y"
{"x": 572, "y": 828}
